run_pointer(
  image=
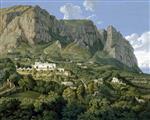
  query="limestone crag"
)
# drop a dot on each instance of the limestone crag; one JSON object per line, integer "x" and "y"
{"x": 30, "y": 24}
{"x": 119, "y": 48}
{"x": 82, "y": 32}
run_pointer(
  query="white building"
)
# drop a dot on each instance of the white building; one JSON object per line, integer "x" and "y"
{"x": 116, "y": 80}
{"x": 61, "y": 69}
{"x": 79, "y": 64}
{"x": 67, "y": 83}
{"x": 98, "y": 81}
{"x": 66, "y": 73}
{"x": 44, "y": 66}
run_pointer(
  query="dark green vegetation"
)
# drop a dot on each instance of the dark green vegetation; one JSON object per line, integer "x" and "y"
{"x": 8, "y": 71}
{"x": 92, "y": 96}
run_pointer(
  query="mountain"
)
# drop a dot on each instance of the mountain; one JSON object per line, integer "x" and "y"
{"x": 33, "y": 31}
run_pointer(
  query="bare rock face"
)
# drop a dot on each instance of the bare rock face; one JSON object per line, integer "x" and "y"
{"x": 25, "y": 23}
{"x": 33, "y": 25}
{"x": 82, "y": 32}
{"x": 118, "y": 47}
{"x": 103, "y": 35}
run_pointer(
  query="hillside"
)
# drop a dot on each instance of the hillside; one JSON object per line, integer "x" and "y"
{"x": 90, "y": 92}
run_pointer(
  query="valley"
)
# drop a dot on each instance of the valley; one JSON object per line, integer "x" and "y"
{"x": 54, "y": 69}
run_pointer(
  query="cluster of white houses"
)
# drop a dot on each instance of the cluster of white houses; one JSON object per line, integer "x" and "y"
{"x": 39, "y": 66}
{"x": 116, "y": 80}
{"x": 44, "y": 66}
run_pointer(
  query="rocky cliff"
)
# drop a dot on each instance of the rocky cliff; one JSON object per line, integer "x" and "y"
{"x": 33, "y": 25}
{"x": 119, "y": 48}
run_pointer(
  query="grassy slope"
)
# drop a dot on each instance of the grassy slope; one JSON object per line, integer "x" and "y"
{"x": 74, "y": 52}
{"x": 27, "y": 94}
{"x": 53, "y": 50}
{"x": 103, "y": 59}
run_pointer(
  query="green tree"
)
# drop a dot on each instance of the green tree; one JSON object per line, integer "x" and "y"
{"x": 69, "y": 94}
{"x": 91, "y": 87}
{"x": 72, "y": 111}
{"x": 27, "y": 83}
{"x": 81, "y": 91}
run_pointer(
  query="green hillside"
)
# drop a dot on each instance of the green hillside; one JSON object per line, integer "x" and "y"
{"x": 54, "y": 50}
{"x": 91, "y": 95}
{"x": 74, "y": 52}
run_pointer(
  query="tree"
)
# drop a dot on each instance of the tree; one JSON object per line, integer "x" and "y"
{"x": 69, "y": 94}
{"x": 81, "y": 91}
{"x": 27, "y": 83}
{"x": 8, "y": 106}
{"x": 49, "y": 115}
{"x": 91, "y": 87}
{"x": 14, "y": 78}
{"x": 72, "y": 111}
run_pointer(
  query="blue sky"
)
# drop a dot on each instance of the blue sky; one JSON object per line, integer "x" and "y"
{"x": 130, "y": 17}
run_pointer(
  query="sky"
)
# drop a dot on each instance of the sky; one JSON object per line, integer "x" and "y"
{"x": 130, "y": 17}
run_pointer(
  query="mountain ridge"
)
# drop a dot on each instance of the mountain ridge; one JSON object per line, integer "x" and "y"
{"x": 34, "y": 25}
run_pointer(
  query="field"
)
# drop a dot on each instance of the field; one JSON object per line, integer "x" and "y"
{"x": 26, "y": 94}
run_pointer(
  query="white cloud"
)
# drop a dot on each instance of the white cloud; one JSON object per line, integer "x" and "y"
{"x": 94, "y": 18}
{"x": 71, "y": 11}
{"x": 141, "y": 45}
{"x": 91, "y": 16}
{"x": 89, "y": 5}
{"x": 143, "y": 60}
{"x": 140, "y": 42}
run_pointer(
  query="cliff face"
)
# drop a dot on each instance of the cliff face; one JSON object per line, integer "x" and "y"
{"x": 82, "y": 32}
{"x": 33, "y": 25}
{"x": 119, "y": 48}
{"x": 26, "y": 23}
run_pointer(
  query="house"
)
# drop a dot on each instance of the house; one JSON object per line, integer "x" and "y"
{"x": 28, "y": 69}
{"x": 67, "y": 73}
{"x": 79, "y": 64}
{"x": 84, "y": 67}
{"x": 116, "y": 80}
{"x": 67, "y": 83}
{"x": 20, "y": 69}
{"x": 44, "y": 66}
{"x": 98, "y": 81}
{"x": 61, "y": 69}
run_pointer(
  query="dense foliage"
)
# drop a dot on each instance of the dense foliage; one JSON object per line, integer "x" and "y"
{"x": 93, "y": 96}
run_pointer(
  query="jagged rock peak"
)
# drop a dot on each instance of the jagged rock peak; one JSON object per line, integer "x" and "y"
{"x": 119, "y": 48}
{"x": 111, "y": 28}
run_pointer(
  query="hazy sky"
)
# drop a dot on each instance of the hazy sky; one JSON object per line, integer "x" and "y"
{"x": 130, "y": 17}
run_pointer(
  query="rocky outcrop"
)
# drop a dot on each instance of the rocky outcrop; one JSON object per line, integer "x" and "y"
{"x": 119, "y": 48}
{"x": 33, "y": 25}
{"x": 103, "y": 36}
{"x": 82, "y": 32}
{"x": 26, "y": 23}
